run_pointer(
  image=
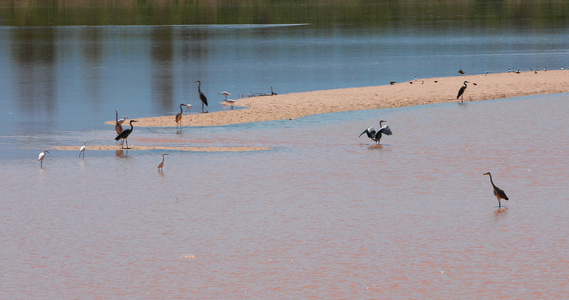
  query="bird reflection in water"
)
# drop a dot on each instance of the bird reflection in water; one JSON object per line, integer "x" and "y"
{"x": 121, "y": 153}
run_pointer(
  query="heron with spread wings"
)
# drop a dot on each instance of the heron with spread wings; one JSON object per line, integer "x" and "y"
{"x": 376, "y": 135}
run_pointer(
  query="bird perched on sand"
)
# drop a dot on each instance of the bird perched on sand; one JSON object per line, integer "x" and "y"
{"x": 161, "y": 165}
{"x": 461, "y": 91}
{"x": 82, "y": 150}
{"x": 376, "y": 135}
{"x": 498, "y": 192}
{"x": 42, "y": 156}
{"x": 460, "y": 71}
{"x": 203, "y": 98}
{"x": 230, "y": 102}
{"x": 179, "y": 117}
{"x": 124, "y": 135}
{"x": 188, "y": 108}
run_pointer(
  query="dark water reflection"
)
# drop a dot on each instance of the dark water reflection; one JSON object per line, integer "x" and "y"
{"x": 319, "y": 215}
{"x": 71, "y": 79}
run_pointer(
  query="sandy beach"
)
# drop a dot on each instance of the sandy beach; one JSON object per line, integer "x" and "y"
{"x": 415, "y": 92}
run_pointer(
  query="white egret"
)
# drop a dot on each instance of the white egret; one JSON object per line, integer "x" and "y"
{"x": 42, "y": 156}
{"x": 82, "y": 150}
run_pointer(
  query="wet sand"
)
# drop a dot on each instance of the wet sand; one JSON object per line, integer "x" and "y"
{"x": 415, "y": 92}
{"x": 154, "y": 147}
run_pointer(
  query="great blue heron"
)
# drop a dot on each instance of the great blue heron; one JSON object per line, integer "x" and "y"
{"x": 179, "y": 117}
{"x": 203, "y": 98}
{"x": 118, "y": 126}
{"x": 161, "y": 165}
{"x": 82, "y": 150}
{"x": 498, "y": 192}
{"x": 124, "y": 135}
{"x": 42, "y": 156}
{"x": 461, "y": 91}
{"x": 376, "y": 135}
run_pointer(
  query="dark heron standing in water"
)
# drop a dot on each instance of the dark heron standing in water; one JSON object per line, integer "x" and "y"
{"x": 161, "y": 165}
{"x": 124, "y": 135}
{"x": 461, "y": 91}
{"x": 376, "y": 135}
{"x": 179, "y": 117}
{"x": 498, "y": 192}
{"x": 203, "y": 98}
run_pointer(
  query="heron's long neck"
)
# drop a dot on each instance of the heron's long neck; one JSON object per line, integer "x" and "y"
{"x": 491, "y": 181}
{"x": 162, "y": 158}
{"x": 131, "y": 126}
{"x": 117, "y": 115}
{"x": 199, "y": 87}
{"x": 181, "y": 109}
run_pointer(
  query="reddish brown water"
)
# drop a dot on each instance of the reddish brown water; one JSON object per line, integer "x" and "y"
{"x": 321, "y": 215}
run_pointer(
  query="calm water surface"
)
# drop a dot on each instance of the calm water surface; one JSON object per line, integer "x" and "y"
{"x": 322, "y": 214}
{"x": 57, "y": 80}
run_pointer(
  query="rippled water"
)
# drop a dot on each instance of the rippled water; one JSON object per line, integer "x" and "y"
{"x": 322, "y": 214}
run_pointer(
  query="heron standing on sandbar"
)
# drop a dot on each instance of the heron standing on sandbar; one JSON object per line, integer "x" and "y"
{"x": 498, "y": 192}
{"x": 461, "y": 91}
{"x": 118, "y": 127}
{"x": 376, "y": 135}
{"x": 179, "y": 117}
{"x": 203, "y": 98}
{"x": 161, "y": 165}
{"x": 124, "y": 135}
{"x": 42, "y": 156}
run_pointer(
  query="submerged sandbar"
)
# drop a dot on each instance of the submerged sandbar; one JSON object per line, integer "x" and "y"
{"x": 156, "y": 147}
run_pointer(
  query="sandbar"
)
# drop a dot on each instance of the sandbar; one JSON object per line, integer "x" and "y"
{"x": 414, "y": 92}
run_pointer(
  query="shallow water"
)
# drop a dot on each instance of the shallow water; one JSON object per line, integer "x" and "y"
{"x": 322, "y": 214}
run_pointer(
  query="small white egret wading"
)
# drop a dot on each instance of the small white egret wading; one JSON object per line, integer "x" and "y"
{"x": 82, "y": 150}
{"x": 42, "y": 156}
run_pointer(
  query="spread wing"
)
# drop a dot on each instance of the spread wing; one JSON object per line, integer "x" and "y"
{"x": 370, "y": 132}
{"x": 385, "y": 130}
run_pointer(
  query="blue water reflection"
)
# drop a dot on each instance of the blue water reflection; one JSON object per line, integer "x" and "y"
{"x": 59, "y": 79}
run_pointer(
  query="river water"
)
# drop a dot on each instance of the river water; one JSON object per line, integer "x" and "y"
{"x": 323, "y": 213}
